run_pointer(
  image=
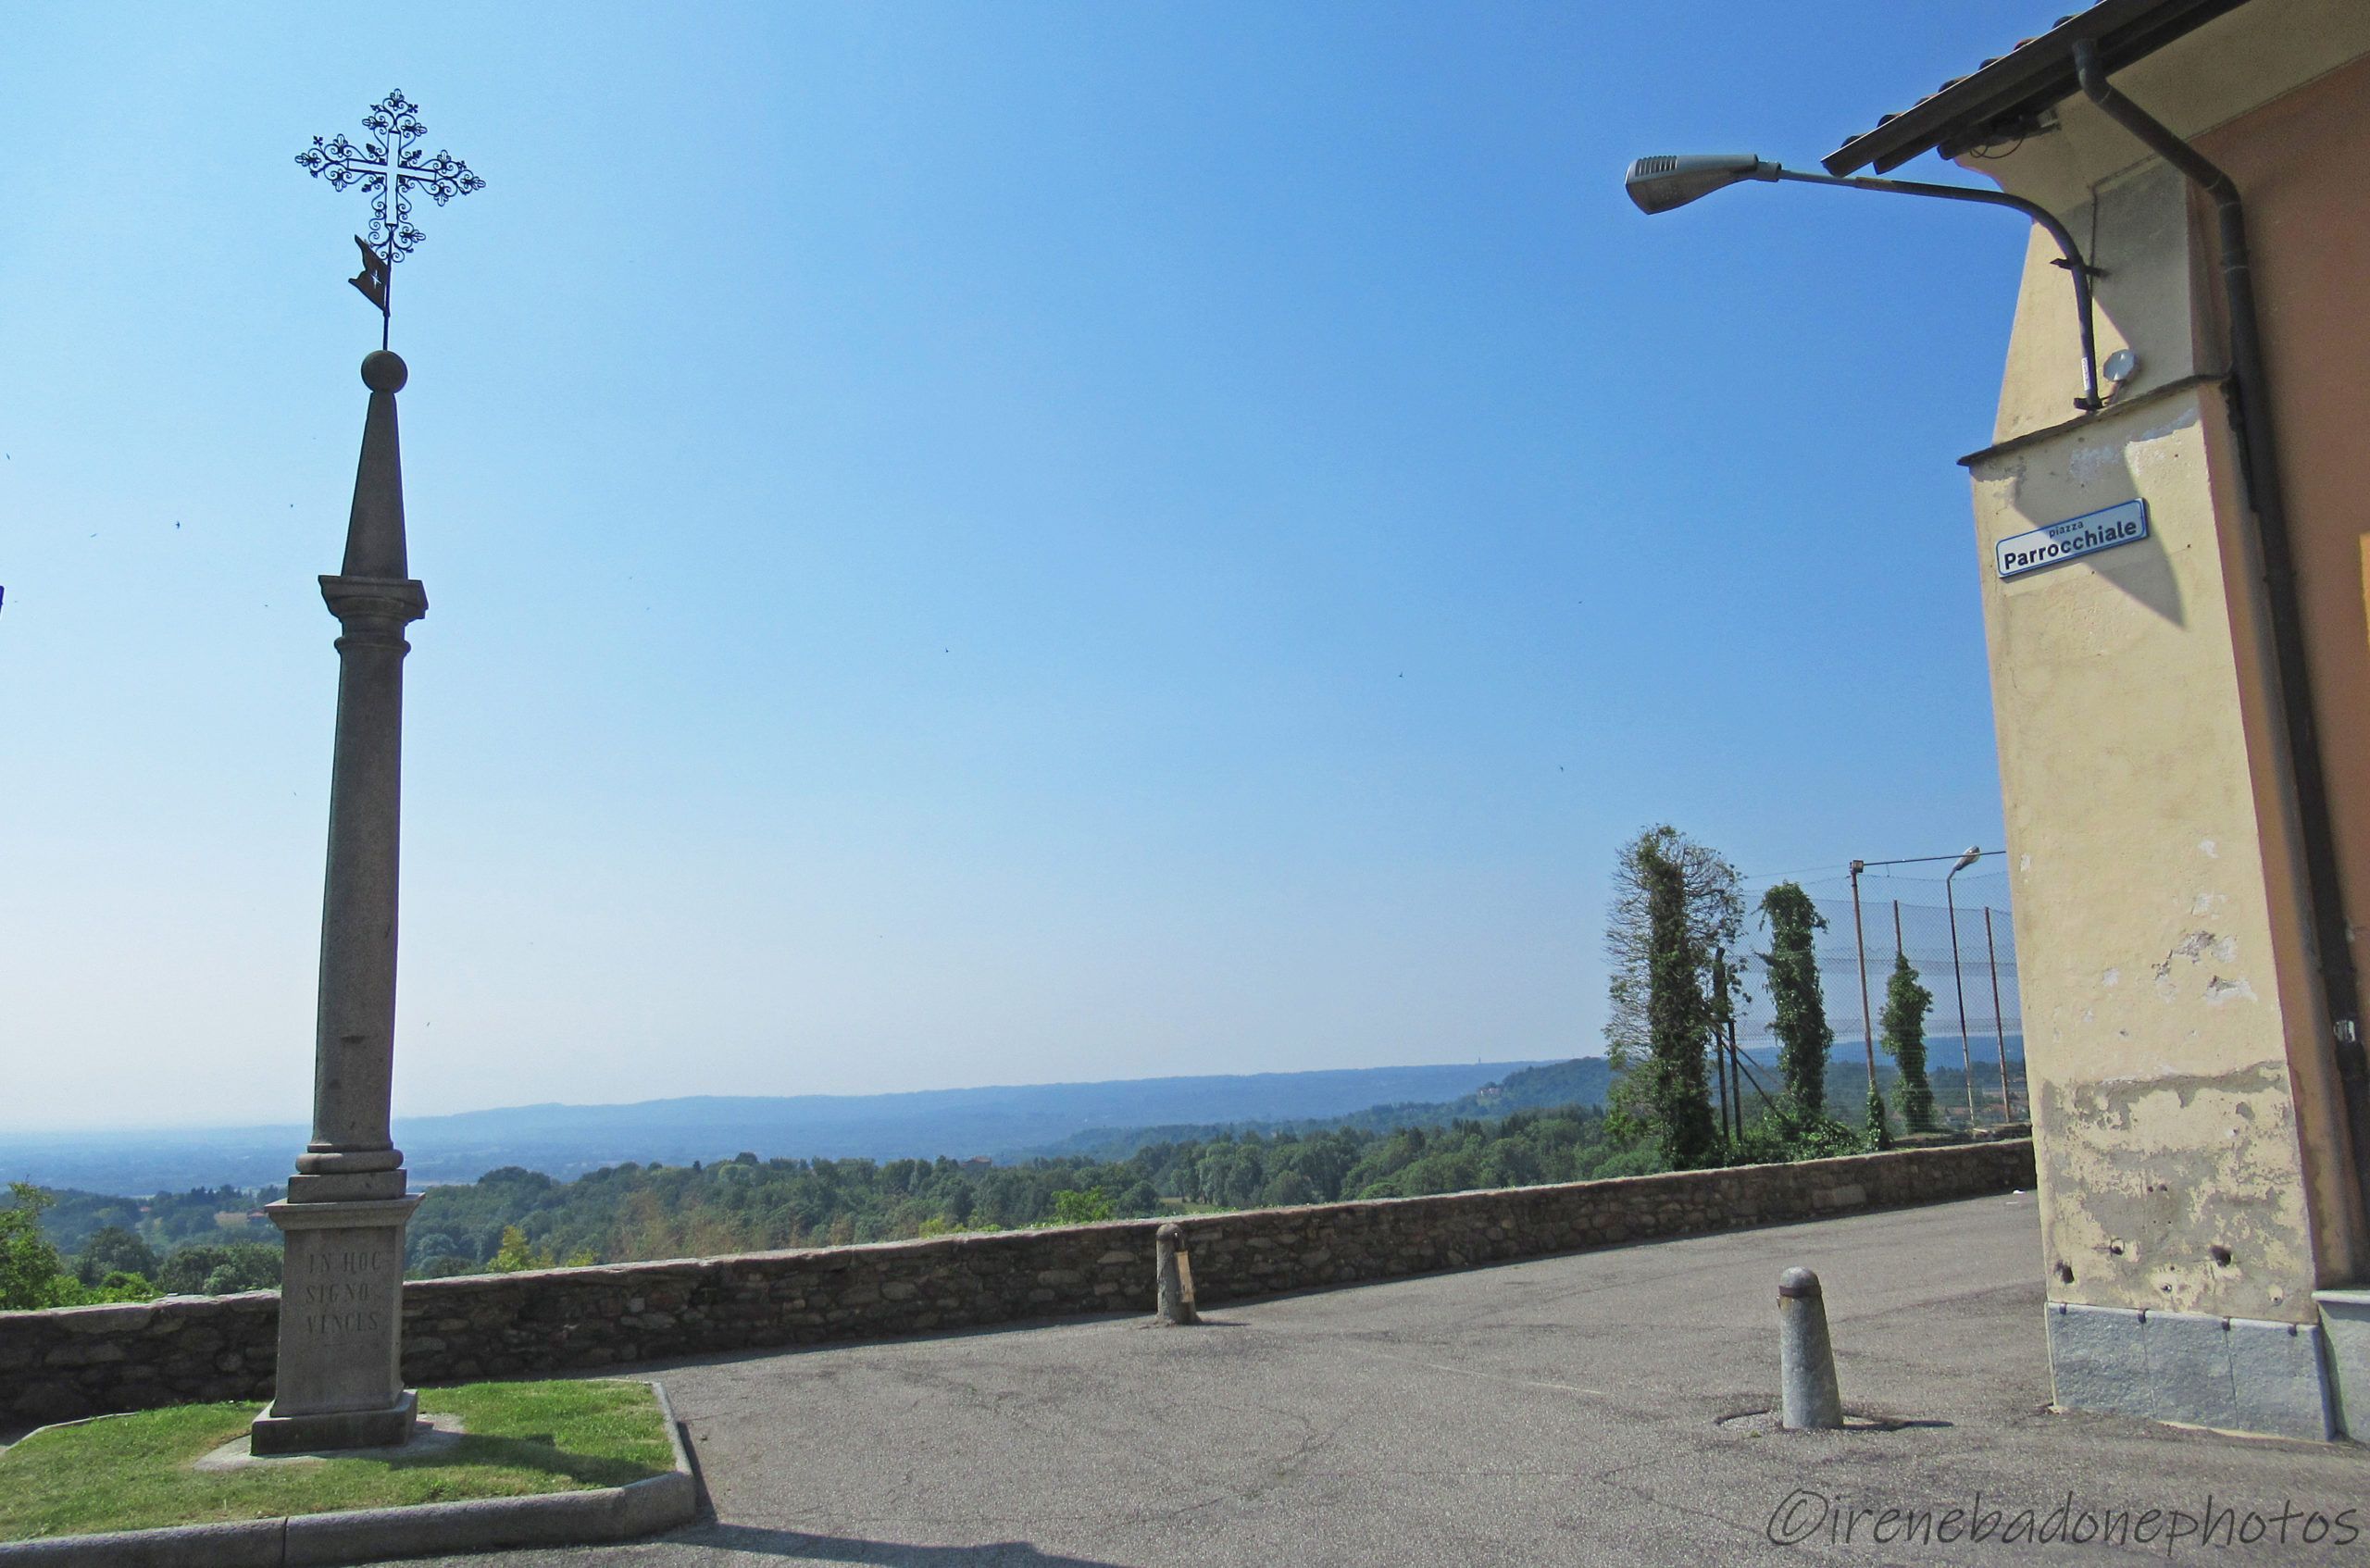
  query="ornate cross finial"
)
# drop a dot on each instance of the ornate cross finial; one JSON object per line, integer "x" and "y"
{"x": 390, "y": 166}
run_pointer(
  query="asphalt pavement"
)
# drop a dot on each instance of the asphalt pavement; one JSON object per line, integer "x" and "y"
{"x": 1600, "y": 1408}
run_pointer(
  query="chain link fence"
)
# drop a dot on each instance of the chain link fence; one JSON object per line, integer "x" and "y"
{"x": 1977, "y": 1071}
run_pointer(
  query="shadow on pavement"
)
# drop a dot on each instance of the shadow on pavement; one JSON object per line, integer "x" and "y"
{"x": 842, "y": 1548}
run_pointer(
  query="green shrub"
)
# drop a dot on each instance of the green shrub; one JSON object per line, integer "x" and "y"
{"x": 113, "y": 1250}
{"x": 516, "y": 1253}
{"x": 220, "y": 1269}
{"x": 1787, "y": 1132}
{"x": 32, "y": 1274}
{"x": 1081, "y": 1208}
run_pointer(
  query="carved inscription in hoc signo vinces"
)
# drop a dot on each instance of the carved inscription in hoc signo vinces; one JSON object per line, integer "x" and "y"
{"x": 344, "y": 1292}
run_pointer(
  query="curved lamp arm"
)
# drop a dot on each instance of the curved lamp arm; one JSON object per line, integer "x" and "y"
{"x": 1659, "y": 184}
{"x": 2071, "y": 254}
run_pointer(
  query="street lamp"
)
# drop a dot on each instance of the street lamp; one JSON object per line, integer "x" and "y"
{"x": 1658, "y": 184}
{"x": 1958, "y": 979}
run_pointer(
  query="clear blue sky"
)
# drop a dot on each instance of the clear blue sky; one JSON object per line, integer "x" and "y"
{"x": 966, "y": 543}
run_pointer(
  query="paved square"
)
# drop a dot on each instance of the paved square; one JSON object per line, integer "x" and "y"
{"x": 1565, "y": 1410}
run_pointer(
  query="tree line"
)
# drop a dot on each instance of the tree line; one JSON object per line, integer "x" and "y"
{"x": 114, "y": 1262}
{"x": 521, "y": 1218}
{"x": 515, "y": 1218}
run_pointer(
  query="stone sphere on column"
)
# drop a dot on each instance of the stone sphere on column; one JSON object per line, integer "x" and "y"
{"x": 383, "y": 371}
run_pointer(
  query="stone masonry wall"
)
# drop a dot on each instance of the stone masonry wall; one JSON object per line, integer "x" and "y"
{"x": 83, "y": 1361}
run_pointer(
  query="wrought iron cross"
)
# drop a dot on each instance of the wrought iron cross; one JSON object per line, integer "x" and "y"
{"x": 390, "y": 166}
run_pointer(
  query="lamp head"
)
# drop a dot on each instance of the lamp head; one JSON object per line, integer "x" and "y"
{"x": 1658, "y": 184}
{"x": 1972, "y": 855}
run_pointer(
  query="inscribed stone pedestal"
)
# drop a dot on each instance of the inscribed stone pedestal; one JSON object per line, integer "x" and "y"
{"x": 341, "y": 1318}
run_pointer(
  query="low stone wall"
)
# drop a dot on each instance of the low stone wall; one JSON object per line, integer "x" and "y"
{"x": 82, "y": 1360}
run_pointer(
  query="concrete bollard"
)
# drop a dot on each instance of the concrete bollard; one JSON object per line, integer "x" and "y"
{"x": 1806, "y": 1358}
{"x": 1174, "y": 1274}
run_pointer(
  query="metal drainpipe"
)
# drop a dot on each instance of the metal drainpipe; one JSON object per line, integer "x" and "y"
{"x": 2258, "y": 463}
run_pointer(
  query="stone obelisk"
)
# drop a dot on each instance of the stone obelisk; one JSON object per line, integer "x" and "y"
{"x": 339, "y": 1383}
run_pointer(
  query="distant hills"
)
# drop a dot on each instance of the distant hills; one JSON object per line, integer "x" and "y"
{"x": 1583, "y": 1082}
{"x": 1100, "y": 1121}
{"x": 568, "y": 1140}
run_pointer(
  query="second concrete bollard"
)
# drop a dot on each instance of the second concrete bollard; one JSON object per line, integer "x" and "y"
{"x": 1806, "y": 1358}
{"x": 1175, "y": 1295}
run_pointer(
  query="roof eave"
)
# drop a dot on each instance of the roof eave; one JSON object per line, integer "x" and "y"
{"x": 2034, "y": 76}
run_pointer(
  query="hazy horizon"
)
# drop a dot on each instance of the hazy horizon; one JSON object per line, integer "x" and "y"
{"x": 70, "y": 1130}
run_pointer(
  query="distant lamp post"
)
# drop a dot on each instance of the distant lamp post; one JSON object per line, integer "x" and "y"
{"x": 1659, "y": 184}
{"x": 1860, "y": 941}
{"x": 1958, "y": 979}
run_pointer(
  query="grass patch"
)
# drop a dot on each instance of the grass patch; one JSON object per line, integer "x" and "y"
{"x": 134, "y": 1472}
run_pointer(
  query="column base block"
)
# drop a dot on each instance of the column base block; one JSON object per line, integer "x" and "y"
{"x": 334, "y": 1430}
{"x": 2345, "y": 1320}
{"x": 2232, "y": 1373}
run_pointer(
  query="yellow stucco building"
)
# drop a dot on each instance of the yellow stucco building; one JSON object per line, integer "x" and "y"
{"x": 2184, "y": 724}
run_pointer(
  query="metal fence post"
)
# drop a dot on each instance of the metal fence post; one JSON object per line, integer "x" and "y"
{"x": 1958, "y": 982}
{"x": 1860, "y": 941}
{"x": 1999, "y": 1025}
{"x": 1719, "y": 1061}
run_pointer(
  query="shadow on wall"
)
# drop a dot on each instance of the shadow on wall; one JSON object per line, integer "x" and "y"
{"x": 2143, "y": 571}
